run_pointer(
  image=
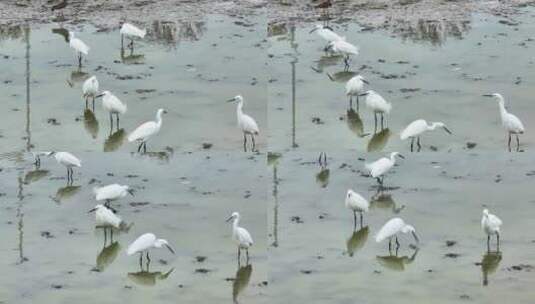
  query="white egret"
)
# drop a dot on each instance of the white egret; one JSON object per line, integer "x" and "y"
{"x": 377, "y": 104}
{"x": 490, "y": 224}
{"x": 79, "y": 47}
{"x": 356, "y": 203}
{"x": 240, "y": 235}
{"x": 112, "y": 192}
{"x": 37, "y": 156}
{"x": 144, "y": 243}
{"x": 326, "y": 32}
{"x": 391, "y": 229}
{"x": 131, "y": 31}
{"x": 68, "y": 160}
{"x": 354, "y": 87}
{"x": 106, "y": 218}
{"x": 146, "y": 131}
{"x": 510, "y": 122}
{"x": 381, "y": 166}
{"x": 419, "y": 126}
{"x": 246, "y": 123}
{"x": 113, "y": 105}
{"x": 345, "y": 48}
{"x": 90, "y": 89}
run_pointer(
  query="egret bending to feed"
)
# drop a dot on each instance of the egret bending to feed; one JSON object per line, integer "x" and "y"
{"x": 106, "y": 218}
{"x": 240, "y": 235}
{"x": 417, "y": 127}
{"x": 37, "y": 156}
{"x": 391, "y": 229}
{"x": 510, "y": 122}
{"x": 354, "y": 87}
{"x": 345, "y": 48}
{"x": 381, "y": 166}
{"x": 68, "y": 160}
{"x": 246, "y": 123}
{"x": 326, "y": 32}
{"x": 112, "y": 192}
{"x": 377, "y": 104}
{"x": 356, "y": 203}
{"x": 144, "y": 243}
{"x": 79, "y": 47}
{"x": 131, "y": 31}
{"x": 146, "y": 131}
{"x": 90, "y": 89}
{"x": 113, "y": 105}
{"x": 490, "y": 224}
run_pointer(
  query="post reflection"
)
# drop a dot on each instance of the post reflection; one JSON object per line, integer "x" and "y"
{"x": 354, "y": 123}
{"x": 115, "y": 140}
{"x": 342, "y": 76}
{"x": 66, "y": 192}
{"x": 357, "y": 239}
{"x": 395, "y": 262}
{"x": 241, "y": 281}
{"x": 489, "y": 264}
{"x": 107, "y": 255}
{"x": 383, "y": 200}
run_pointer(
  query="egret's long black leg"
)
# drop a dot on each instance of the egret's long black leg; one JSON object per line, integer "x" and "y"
{"x": 488, "y": 243}
{"x": 117, "y": 120}
{"x": 375, "y": 119}
{"x": 111, "y": 121}
{"x": 517, "y": 143}
{"x": 357, "y": 103}
{"x": 354, "y": 220}
{"x": 412, "y": 144}
{"x": 418, "y": 143}
{"x": 141, "y": 260}
{"x": 144, "y": 147}
{"x": 139, "y": 148}
{"x": 351, "y": 101}
{"x": 509, "y": 142}
{"x": 244, "y": 142}
{"x": 247, "y": 254}
{"x": 382, "y": 120}
{"x": 361, "y": 220}
{"x": 254, "y": 143}
{"x": 497, "y": 241}
{"x": 397, "y": 243}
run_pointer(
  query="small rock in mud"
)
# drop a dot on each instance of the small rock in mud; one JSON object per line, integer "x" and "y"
{"x": 306, "y": 271}
{"x": 200, "y": 258}
{"x": 47, "y": 234}
{"x": 162, "y": 261}
{"x": 53, "y": 121}
{"x": 450, "y": 243}
{"x": 317, "y": 120}
{"x": 471, "y": 145}
{"x": 521, "y": 267}
{"x": 138, "y": 204}
{"x": 202, "y": 270}
{"x": 144, "y": 91}
{"x": 206, "y": 146}
{"x": 452, "y": 255}
{"x": 57, "y": 286}
{"x": 464, "y": 297}
{"x": 296, "y": 219}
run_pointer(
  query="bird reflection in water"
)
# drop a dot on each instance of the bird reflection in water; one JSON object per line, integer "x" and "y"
{"x": 132, "y": 58}
{"x": 357, "y": 240}
{"x": 395, "y": 262}
{"x": 62, "y": 32}
{"x": 384, "y": 200}
{"x": 115, "y": 140}
{"x": 342, "y": 76}
{"x": 326, "y": 61}
{"x": 147, "y": 278}
{"x": 77, "y": 76}
{"x": 322, "y": 177}
{"x": 107, "y": 255}
{"x": 489, "y": 264}
{"x": 161, "y": 156}
{"x": 354, "y": 123}
{"x": 90, "y": 123}
{"x": 241, "y": 281}
{"x": 379, "y": 140}
{"x": 34, "y": 175}
{"x": 66, "y": 192}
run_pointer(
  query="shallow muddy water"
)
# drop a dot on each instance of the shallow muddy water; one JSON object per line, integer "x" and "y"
{"x": 53, "y": 253}
{"x": 315, "y": 255}
{"x": 436, "y": 71}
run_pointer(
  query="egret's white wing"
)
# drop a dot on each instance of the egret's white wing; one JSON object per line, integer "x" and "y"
{"x": 414, "y": 128}
{"x": 357, "y": 201}
{"x": 328, "y": 35}
{"x": 67, "y": 158}
{"x": 113, "y": 104}
{"x": 248, "y": 124}
{"x": 389, "y": 229}
{"x": 513, "y": 123}
{"x": 494, "y": 221}
{"x": 379, "y": 167}
{"x": 79, "y": 45}
{"x": 244, "y": 237}
{"x": 132, "y": 30}
{"x": 354, "y": 86}
{"x": 108, "y": 192}
{"x": 143, "y": 131}
{"x": 90, "y": 86}
{"x": 105, "y": 216}
{"x": 142, "y": 243}
{"x": 346, "y": 47}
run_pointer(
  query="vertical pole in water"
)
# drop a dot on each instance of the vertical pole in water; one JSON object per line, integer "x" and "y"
{"x": 294, "y": 61}
{"x": 28, "y": 133}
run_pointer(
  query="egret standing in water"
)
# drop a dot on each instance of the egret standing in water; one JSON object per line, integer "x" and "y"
{"x": 417, "y": 128}
{"x": 90, "y": 90}
{"x": 113, "y": 105}
{"x": 246, "y": 123}
{"x": 356, "y": 203}
{"x": 106, "y": 218}
{"x": 326, "y": 32}
{"x": 144, "y": 243}
{"x": 79, "y": 47}
{"x": 510, "y": 122}
{"x": 490, "y": 224}
{"x": 112, "y": 192}
{"x": 68, "y": 160}
{"x": 381, "y": 166}
{"x": 391, "y": 229}
{"x": 146, "y": 131}
{"x": 377, "y": 104}
{"x": 345, "y": 48}
{"x": 240, "y": 235}
{"x": 131, "y": 31}
{"x": 354, "y": 87}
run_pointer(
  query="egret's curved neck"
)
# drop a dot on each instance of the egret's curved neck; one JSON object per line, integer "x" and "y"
{"x": 501, "y": 104}
{"x": 159, "y": 118}
{"x": 239, "y": 110}
{"x": 235, "y": 223}
{"x": 393, "y": 158}
{"x": 432, "y": 126}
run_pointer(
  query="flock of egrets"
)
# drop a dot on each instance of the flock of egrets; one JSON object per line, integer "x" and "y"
{"x": 377, "y": 169}
{"x": 105, "y": 214}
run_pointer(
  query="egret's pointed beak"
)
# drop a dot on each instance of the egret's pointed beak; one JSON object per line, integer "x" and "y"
{"x": 231, "y": 100}
{"x": 365, "y": 81}
{"x": 99, "y": 95}
{"x": 447, "y": 130}
{"x": 228, "y": 220}
{"x": 487, "y": 95}
{"x": 164, "y": 111}
{"x": 170, "y": 249}
{"x": 415, "y": 237}
{"x": 401, "y": 156}
{"x": 92, "y": 210}
{"x": 131, "y": 191}
{"x": 363, "y": 94}
{"x": 313, "y": 30}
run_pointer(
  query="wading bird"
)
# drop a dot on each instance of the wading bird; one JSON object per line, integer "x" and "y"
{"x": 240, "y": 235}
{"x": 381, "y": 166}
{"x": 345, "y": 48}
{"x": 391, "y": 229}
{"x": 356, "y": 203}
{"x": 377, "y": 104}
{"x": 246, "y": 123}
{"x": 354, "y": 87}
{"x": 79, "y": 47}
{"x": 68, "y": 160}
{"x": 113, "y": 105}
{"x": 490, "y": 224}
{"x": 510, "y": 122}
{"x": 144, "y": 243}
{"x": 106, "y": 218}
{"x": 112, "y": 192}
{"x": 326, "y": 32}
{"x": 146, "y": 131}
{"x": 417, "y": 128}
{"x": 131, "y": 31}
{"x": 90, "y": 90}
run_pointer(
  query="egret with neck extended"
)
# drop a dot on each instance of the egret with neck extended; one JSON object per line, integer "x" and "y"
{"x": 79, "y": 47}
{"x": 68, "y": 160}
{"x": 354, "y": 87}
{"x": 378, "y": 105}
{"x": 131, "y": 31}
{"x": 112, "y": 105}
{"x": 380, "y": 167}
{"x": 240, "y": 235}
{"x": 146, "y": 131}
{"x": 417, "y": 128}
{"x": 510, "y": 122}
{"x": 246, "y": 123}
